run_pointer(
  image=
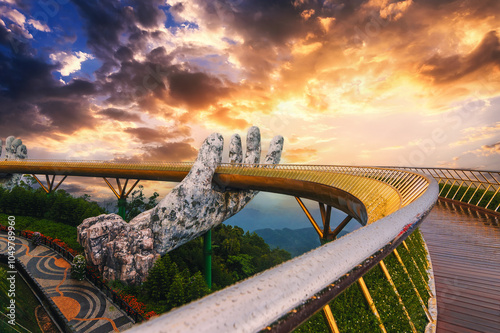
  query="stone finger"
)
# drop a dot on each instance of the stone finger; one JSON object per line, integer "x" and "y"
{"x": 22, "y": 152}
{"x": 209, "y": 156}
{"x": 275, "y": 148}
{"x": 8, "y": 142}
{"x": 235, "y": 150}
{"x": 253, "y": 146}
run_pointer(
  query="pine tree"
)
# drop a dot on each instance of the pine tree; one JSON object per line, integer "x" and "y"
{"x": 176, "y": 295}
{"x": 197, "y": 287}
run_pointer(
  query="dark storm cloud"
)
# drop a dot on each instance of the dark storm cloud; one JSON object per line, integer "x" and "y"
{"x": 124, "y": 53}
{"x": 448, "y": 69}
{"x": 119, "y": 115}
{"x": 159, "y": 55}
{"x": 259, "y": 21}
{"x": 147, "y": 12}
{"x": 74, "y": 188}
{"x": 157, "y": 79}
{"x": 104, "y": 22}
{"x": 171, "y": 152}
{"x": 268, "y": 29}
{"x": 135, "y": 80}
{"x": 148, "y": 135}
{"x": 33, "y": 102}
{"x": 67, "y": 115}
{"x": 15, "y": 42}
{"x": 196, "y": 90}
{"x": 107, "y": 21}
{"x": 166, "y": 151}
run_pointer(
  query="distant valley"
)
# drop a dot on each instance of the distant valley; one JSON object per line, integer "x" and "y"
{"x": 295, "y": 241}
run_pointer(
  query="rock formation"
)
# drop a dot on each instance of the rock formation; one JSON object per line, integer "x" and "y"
{"x": 126, "y": 251}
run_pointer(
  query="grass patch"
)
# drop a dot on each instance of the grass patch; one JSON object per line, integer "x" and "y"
{"x": 64, "y": 232}
{"x": 25, "y": 304}
{"x": 351, "y": 311}
{"x": 479, "y": 197}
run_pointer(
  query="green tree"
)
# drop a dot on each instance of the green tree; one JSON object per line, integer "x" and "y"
{"x": 196, "y": 287}
{"x": 241, "y": 266}
{"x": 176, "y": 294}
{"x": 138, "y": 203}
{"x": 59, "y": 206}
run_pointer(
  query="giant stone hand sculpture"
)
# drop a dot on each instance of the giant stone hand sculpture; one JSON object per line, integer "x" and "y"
{"x": 126, "y": 251}
{"x": 14, "y": 150}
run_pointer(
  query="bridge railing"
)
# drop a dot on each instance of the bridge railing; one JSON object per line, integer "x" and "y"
{"x": 382, "y": 190}
{"x": 391, "y": 203}
{"x": 474, "y": 187}
{"x": 281, "y": 298}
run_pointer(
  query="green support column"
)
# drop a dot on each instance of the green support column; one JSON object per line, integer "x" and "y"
{"x": 121, "y": 207}
{"x": 207, "y": 251}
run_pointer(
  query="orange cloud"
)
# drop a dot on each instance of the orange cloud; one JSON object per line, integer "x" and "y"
{"x": 300, "y": 155}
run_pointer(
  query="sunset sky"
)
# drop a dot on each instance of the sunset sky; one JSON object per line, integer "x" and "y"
{"x": 375, "y": 82}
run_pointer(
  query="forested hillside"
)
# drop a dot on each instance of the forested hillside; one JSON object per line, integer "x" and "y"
{"x": 58, "y": 206}
{"x": 295, "y": 241}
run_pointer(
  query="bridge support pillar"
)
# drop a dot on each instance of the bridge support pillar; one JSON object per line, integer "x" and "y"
{"x": 325, "y": 233}
{"x": 370, "y": 302}
{"x": 424, "y": 306}
{"x": 393, "y": 285}
{"x": 50, "y": 183}
{"x": 328, "y": 315}
{"x": 122, "y": 204}
{"x": 207, "y": 252}
{"x": 121, "y": 194}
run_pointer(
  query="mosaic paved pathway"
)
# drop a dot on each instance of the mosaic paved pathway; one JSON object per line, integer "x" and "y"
{"x": 83, "y": 305}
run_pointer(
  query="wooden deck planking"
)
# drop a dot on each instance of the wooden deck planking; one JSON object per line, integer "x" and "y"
{"x": 465, "y": 251}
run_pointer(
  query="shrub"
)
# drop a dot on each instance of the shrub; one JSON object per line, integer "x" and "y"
{"x": 78, "y": 267}
{"x": 36, "y": 239}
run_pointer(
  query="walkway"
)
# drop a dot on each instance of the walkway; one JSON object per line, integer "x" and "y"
{"x": 465, "y": 251}
{"x": 85, "y": 307}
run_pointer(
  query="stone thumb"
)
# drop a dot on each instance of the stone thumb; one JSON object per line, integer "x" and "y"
{"x": 209, "y": 156}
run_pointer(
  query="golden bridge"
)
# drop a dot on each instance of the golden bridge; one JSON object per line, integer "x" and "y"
{"x": 462, "y": 233}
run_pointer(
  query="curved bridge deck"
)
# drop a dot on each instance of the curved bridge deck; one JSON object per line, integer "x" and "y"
{"x": 464, "y": 245}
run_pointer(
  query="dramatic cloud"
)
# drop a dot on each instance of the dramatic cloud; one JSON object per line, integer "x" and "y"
{"x": 171, "y": 152}
{"x": 300, "y": 155}
{"x": 18, "y": 20}
{"x": 120, "y": 115}
{"x": 491, "y": 149}
{"x": 196, "y": 90}
{"x": 166, "y": 152}
{"x": 148, "y": 135}
{"x": 35, "y": 103}
{"x": 70, "y": 62}
{"x": 452, "y": 68}
{"x": 39, "y": 25}
{"x": 345, "y": 82}
{"x": 148, "y": 14}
